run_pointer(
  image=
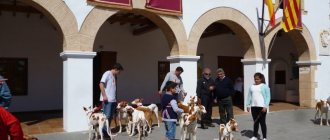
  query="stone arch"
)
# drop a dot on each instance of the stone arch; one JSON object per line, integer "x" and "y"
{"x": 239, "y": 23}
{"x": 302, "y": 39}
{"x": 60, "y": 15}
{"x": 171, "y": 26}
{"x": 307, "y": 62}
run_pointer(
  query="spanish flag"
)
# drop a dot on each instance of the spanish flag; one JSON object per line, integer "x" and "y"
{"x": 270, "y": 6}
{"x": 291, "y": 15}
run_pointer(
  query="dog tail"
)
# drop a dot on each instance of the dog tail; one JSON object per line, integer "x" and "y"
{"x": 108, "y": 129}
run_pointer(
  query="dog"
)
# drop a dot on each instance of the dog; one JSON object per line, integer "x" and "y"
{"x": 123, "y": 115}
{"x": 152, "y": 107}
{"x": 225, "y": 131}
{"x": 322, "y": 107}
{"x": 188, "y": 121}
{"x": 138, "y": 120}
{"x": 186, "y": 107}
{"x": 96, "y": 122}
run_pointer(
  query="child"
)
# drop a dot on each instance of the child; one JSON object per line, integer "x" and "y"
{"x": 258, "y": 102}
{"x": 170, "y": 110}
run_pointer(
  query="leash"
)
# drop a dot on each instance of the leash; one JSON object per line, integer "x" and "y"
{"x": 259, "y": 115}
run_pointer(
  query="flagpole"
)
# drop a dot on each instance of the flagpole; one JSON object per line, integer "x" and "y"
{"x": 262, "y": 36}
{"x": 261, "y": 32}
{"x": 278, "y": 7}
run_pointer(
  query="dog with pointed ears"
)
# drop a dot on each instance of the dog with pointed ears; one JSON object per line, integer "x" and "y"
{"x": 225, "y": 131}
{"x": 96, "y": 122}
{"x": 152, "y": 107}
{"x": 188, "y": 121}
{"x": 322, "y": 107}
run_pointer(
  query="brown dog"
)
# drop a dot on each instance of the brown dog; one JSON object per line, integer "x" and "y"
{"x": 225, "y": 131}
{"x": 147, "y": 114}
{"x": 322, "y": 107}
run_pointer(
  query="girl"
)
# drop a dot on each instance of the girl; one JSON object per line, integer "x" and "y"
{"x": 170, "y": 110}
{"x": 258, "y": 103}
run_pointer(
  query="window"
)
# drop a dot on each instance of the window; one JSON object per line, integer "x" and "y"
{"x": 280, "y": 77}
{"x": 15, "y": 70}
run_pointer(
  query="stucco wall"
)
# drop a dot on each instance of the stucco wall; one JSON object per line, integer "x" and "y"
{"x": 221, "y": 45}
{"x": 37, "y": 40}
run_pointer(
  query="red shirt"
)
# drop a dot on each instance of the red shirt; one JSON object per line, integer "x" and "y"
{"x": 9, "y": 126}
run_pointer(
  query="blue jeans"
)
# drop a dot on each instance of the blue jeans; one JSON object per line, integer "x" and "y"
{"x": 109, "y": 108}
{"x": 170, "y": 128}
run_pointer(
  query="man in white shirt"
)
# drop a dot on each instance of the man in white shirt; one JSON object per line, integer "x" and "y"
{"x": 108, "y": 91}
{"x": 175, "y": 76}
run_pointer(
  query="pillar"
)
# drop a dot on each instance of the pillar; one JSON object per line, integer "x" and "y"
{"x": 189, "y": 76}
{"x": 77, "y": 88}
{"x": 251, "y": 66}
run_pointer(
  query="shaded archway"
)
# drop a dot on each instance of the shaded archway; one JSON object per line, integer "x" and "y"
{"x": 171, "y": 26}
{"x": 236, "y": 40}
{"x": 41, "y": 30}
{"x": 96, "y": 26}
{"x": 62, "y": 17}
{"x": 236, "y": 21}
{"x": 306, "y": 60}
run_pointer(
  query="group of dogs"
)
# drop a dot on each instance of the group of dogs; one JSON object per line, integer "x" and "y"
{"x": 139, "y": 117}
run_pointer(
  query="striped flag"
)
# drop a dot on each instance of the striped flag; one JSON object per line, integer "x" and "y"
{"x": 291, "y": 15}
{"x": 270, "y": 6}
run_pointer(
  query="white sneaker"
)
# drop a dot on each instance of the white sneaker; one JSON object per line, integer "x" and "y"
{"x": 264, "y": 139}
{"x": 253, "y": 138}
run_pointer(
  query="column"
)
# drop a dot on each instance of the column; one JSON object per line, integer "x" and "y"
{"x": 77, "y": 88}
{"x": 251, "y": 66}
{"x": 189, "y": 76}
{"x": 307, "y": 83}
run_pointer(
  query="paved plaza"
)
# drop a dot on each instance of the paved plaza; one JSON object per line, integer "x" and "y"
{"x": 284, "y": 125}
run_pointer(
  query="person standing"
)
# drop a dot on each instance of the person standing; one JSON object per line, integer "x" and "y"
{"x": 238, "y": 87}
{"x": 9, "y": 126}
{"x": 204, "y": 90}
{"x": 258, "y": 103}
{"x": 175, "y": 76}
{"x": 108, "y": 87}
{"x": 5, "y": 95}
{"x": 170, "y": 110}
{"x": 224, "y": 90}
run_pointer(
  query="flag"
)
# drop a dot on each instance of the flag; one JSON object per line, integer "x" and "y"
{"x": 271, "y": 12}
{"x": 291, "y": 15}
{"x": 120, "y": 4}
{"x": 168, "y": 7}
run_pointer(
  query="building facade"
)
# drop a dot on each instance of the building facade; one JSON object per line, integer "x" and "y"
{"x": 56, "y": 50}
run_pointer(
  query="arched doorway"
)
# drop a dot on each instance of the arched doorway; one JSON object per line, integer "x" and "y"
{"x": 225, "y": 40}
{"x": 140, "y": 41}
{"x": 34, "y": 33}
{"x": 293, "y": 65}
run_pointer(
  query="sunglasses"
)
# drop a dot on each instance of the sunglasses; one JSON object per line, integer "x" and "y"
{"x": 207, "y": 74}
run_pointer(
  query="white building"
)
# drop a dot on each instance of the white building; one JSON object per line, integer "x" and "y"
{"x": 47, "y": 49}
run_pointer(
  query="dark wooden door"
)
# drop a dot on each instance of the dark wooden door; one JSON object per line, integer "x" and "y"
{"x": 102, "y": 62}
{"x": 232, "y": 66}
{"x": 163, "y": 69}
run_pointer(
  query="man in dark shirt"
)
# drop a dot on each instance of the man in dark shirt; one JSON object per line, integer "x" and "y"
{"x": 205, "y": 87}
{"x": 224, "y": 90}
